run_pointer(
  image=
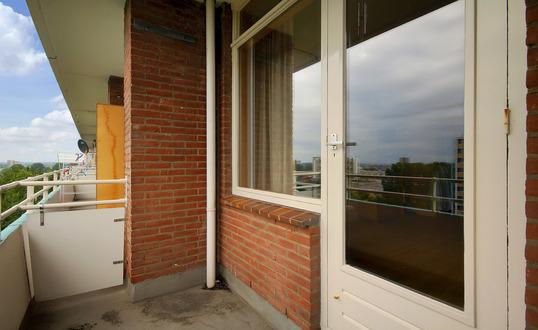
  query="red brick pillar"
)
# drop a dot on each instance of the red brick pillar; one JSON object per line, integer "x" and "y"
{"x": 164, "y": 145}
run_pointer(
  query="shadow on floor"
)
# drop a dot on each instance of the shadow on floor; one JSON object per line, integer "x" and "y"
{"x": 111, "y": 309}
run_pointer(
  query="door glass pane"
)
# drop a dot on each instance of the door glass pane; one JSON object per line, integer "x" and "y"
{"x": 404, "y": 143}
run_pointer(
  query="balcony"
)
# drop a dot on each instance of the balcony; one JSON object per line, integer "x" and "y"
{"x": 112, "y": 309}
{"x": 65, "y": 257}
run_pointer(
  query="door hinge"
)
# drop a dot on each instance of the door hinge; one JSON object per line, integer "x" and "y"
{"x": 117, "y": 262}
{"x": 507, "y": 112}
{"x": 119, "y": 219}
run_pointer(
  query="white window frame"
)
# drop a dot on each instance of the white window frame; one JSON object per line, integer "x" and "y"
{"x": 304, "y": 203}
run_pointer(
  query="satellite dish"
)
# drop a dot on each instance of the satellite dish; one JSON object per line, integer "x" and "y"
{"x": 83, "y": 146}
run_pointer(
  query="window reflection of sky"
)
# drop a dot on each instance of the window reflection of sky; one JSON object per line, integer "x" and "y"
{"x": 405, "y": 90}
{"x": 307, "y": 113}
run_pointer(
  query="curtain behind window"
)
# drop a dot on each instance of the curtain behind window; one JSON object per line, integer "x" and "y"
{"x": 273, "y": 118}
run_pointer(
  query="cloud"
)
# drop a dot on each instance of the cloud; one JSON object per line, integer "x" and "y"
{"x": 43, "y": 138}
{"x": 19, "y": 52}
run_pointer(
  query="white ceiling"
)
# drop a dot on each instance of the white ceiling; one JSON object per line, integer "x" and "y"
{"x": 84, "y": 43}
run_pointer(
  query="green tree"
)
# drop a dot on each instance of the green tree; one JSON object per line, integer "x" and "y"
{"x": 14, "y": 196}
{"x": 38, "y": 168}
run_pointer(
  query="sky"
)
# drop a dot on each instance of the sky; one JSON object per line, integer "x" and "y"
{"x": 35, "y": 123}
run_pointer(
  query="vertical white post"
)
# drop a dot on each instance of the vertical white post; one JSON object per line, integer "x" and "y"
{"x": 28, "y": 259}
{"x": 210, "y": 145}
{"x": 46, "y": 191}
{"x": 29, "y": 193}
{"x": 54, "y": 178}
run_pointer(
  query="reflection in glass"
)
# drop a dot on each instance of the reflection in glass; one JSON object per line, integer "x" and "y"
{"x": 280, "y": 104}
{"x": 404, "y": 154}
{"x": 253, "y": 11}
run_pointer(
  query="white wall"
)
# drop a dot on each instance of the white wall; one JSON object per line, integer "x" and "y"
{"x": 74, "y": 251}
{"x": 14, "y": 290}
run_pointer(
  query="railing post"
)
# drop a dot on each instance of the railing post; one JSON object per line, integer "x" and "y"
{"x": 347, "y": 184}
{"x": 434, "y": 195}
{"x": 55, "y": 178}
{"x": 46, "y": 191}
{"x": 29, "y": 193}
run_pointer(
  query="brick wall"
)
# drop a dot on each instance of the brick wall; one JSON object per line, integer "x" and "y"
{"x": 115, "y": 90}
{"x": 531, "y": 294}
{"x": 257, "y": 244}
{"x": 279, "y": 261}
{"x": 165, "y": 139}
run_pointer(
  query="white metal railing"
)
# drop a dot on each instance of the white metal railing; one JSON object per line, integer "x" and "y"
{"x": 300, "y": 185}
{"x": 433, "y": 197}
{"x": 67, "y": 178}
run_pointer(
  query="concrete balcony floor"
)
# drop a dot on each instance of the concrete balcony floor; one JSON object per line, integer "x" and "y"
{"x": 111, "y": 309}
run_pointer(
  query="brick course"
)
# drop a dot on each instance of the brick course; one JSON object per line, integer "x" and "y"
{"x": 165, "y": 139}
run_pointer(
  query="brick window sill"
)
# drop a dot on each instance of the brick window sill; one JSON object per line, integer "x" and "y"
{"x": 275, "y": 212}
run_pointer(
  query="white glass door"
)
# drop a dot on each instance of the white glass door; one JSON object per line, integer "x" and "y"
{"x": 416, "y": 190}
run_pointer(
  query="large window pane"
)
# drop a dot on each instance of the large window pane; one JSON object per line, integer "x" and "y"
{"x": 405, "y": 123}
{"x": 280, "y": 104}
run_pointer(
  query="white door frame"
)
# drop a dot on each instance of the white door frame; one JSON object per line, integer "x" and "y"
{"x": 486, "y": 135}
{"x": 517, "y": 156}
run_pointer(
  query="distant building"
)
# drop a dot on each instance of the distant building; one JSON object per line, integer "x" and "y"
{"x": 404, "y": 160}
{"x": 352, "y": 165}
{"x": 316, "y": 164}
{"x": 12, "y": 162}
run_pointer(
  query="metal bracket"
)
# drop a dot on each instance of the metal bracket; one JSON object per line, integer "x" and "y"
{"x": 119, "y": 219}
{"x": 117, "y": 262}
{"x": 507, "y": 113}
{"x": 41, "y": 215}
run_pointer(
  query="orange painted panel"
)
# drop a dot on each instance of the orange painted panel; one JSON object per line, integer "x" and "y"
{"x": 110, "y": 152}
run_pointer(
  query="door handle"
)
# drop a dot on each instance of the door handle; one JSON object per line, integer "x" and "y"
{"x": 333, "y": 142}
